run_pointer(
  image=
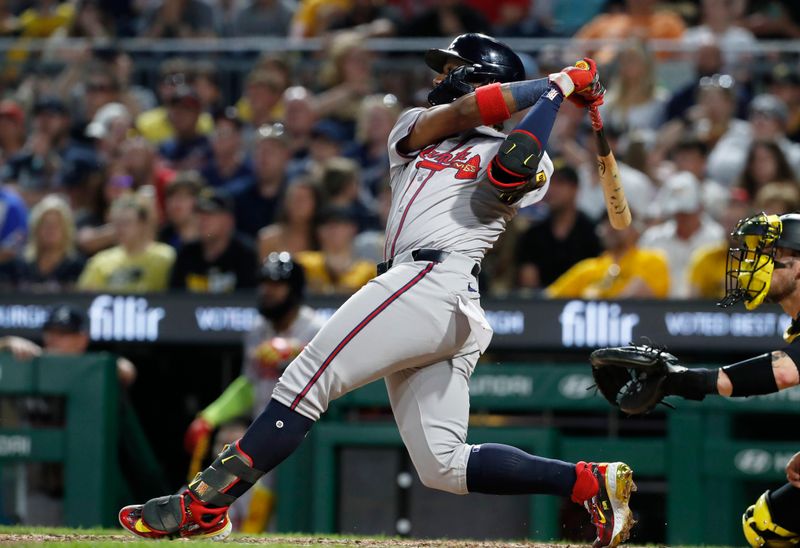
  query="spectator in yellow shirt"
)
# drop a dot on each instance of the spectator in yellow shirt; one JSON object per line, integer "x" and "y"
{"x": 154, "y": 124}
{"x": 336, "y": 269}
{"x": 622, "y": 271}
{"x": 137, "y": 264}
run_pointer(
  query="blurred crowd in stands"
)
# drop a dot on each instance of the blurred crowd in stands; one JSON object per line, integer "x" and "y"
{"x": 119, "y": 179}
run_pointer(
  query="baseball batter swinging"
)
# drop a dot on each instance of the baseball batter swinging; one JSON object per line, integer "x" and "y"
{"x": 456, "y": 180}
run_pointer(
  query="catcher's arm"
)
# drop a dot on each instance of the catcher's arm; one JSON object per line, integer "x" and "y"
{"x": 638, "y": 377}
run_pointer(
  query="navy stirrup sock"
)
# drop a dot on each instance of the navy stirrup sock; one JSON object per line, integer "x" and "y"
{"x": 504, "y": 470}
{"x": 272, "y": 437}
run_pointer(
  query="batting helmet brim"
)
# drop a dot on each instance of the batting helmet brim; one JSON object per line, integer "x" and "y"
{"x": 437, "y": 58}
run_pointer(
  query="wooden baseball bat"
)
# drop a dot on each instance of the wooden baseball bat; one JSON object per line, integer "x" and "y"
{"x": 619, "y": 213}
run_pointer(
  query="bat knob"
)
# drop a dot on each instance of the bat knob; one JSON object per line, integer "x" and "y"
{"x": 582, "y": 65}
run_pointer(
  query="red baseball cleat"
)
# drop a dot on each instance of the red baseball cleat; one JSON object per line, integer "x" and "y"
{"x": 609, "y": 509}
{"x": 176, "y": 516}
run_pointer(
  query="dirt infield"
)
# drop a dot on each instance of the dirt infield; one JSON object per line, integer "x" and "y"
{"x": 95, "y": 540}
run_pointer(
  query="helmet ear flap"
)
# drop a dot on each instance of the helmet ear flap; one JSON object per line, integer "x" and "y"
{"x": 456, "y": 84}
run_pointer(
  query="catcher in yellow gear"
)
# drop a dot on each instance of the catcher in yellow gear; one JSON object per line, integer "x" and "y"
{"x": 763, "y": 265}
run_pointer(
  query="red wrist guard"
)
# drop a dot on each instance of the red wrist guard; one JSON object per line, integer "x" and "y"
{"x": 491, "y": 104}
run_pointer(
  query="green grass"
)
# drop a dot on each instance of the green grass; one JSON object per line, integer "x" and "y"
{"x": 118, "y": 537}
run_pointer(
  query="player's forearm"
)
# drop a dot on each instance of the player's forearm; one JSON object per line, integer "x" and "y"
{"x": 516, "y": 95}
{"x": 784, "y": 373}
{"x": 234, "y": 402}
{"x": 763, "y": 374}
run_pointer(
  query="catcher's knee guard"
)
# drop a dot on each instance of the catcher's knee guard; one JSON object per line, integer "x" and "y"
{"x": 760, "y": 530}
{"x": 229, "y": 468}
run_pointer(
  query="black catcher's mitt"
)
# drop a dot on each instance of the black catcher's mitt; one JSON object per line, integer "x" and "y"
{"x": 632, "y": 377}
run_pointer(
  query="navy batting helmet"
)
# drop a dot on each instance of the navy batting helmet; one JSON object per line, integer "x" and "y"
{"x": 279, "y": 267}
{"x": 485, "y": 60}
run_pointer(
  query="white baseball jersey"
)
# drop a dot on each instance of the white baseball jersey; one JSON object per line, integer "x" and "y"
{"x": 419, "y": 325}
{"x": 264, "y": 378}
{"x": 441, "y": 197}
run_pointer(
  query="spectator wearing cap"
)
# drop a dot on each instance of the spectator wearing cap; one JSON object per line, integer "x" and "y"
{"x": 222, "y": 260}
{"x": 51, "y": 119}
{"x": 261, "y": 103}
{"x": 180, "y": 209}
{"x": 295, "y": 227}
{"x": 50, "y": 262}
{"x": 257, "y": 202}
{"x": 109, "y": 128}
{"x": 685, "y": 229}
{"x": 264, "y": 18}
{"x": 81, "y": 180}
{"x": 188, "y": 149}
{"x": 65, "y": 332}
{"x": 335, "y": 268}
{"x": 624, "y": 270}
{"x": 764, "y": 163}
{"x": 137, "y": 264}
{"x": 12, "y": 128}
{"x": 567, "y": 235}
{"x": 34, "y": 169}
{"x": 229, "y": 166}
{"x": 154, "y": 124}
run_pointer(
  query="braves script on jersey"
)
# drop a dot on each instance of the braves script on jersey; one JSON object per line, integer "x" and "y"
{"x": 441, "y": 198}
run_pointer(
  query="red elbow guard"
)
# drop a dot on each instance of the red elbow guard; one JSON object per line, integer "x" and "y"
{"x": 491, "y": 104}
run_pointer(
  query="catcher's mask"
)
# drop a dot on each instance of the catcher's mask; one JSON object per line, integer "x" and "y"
{"x": 751, "y": 260}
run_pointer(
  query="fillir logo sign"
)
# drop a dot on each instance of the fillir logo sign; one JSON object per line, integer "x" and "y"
{"x": 595, "y": 324}
{"x": 123, "y": 319}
